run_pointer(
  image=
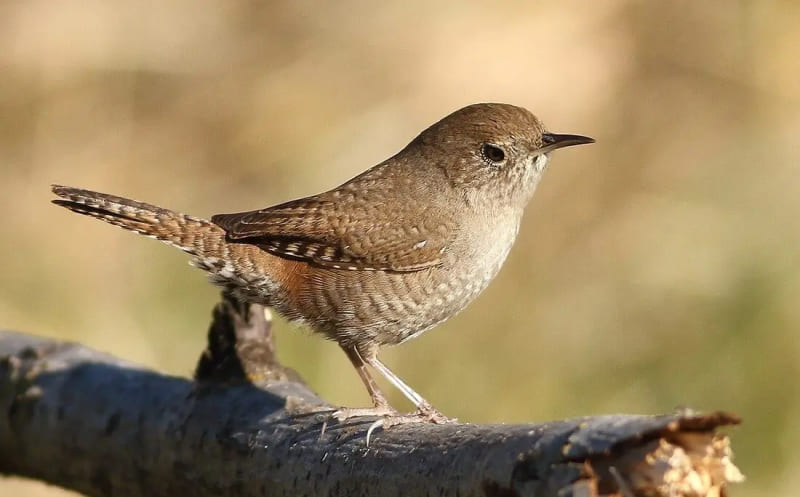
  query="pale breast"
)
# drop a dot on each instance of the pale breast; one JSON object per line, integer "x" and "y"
{"x": 390, "y": 308}
{"x": 473, "y": 266}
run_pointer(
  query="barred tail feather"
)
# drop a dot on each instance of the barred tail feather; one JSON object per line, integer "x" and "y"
{"x": 179, "y": 230}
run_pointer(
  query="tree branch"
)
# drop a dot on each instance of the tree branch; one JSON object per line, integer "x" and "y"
{"x": 249, "y": 426}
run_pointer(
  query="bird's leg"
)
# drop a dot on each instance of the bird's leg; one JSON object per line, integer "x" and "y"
{"x": 424, "y": 408}
{"x": 388, "y": 416}
{"x": 375, "y": 393}
{"x": 425, "y": 411}
{"x": 381, "y": 405}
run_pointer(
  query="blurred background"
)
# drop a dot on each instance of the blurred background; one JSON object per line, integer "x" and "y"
{"x": 658, "y": 268}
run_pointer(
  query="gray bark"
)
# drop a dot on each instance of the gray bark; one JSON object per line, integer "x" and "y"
{"x": 247, "y": 426}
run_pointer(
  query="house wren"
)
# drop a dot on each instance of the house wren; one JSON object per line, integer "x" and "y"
{"x": 382, "y": 258}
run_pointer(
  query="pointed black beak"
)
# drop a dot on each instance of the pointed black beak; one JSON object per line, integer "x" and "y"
{"x": 552, "y": 141}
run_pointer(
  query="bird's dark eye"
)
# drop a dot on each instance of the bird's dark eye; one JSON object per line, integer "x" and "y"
{"x": 492, "y": 154}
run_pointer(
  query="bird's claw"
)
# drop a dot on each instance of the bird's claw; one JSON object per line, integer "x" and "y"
{"x": 389, "y": 417}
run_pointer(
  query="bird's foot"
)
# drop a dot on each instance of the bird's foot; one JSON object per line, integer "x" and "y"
{"x": 389, "y": 417}
{"x": 432, "y": 415}
{"x": 346, "y": 413}
{"x": 425, "y": 414}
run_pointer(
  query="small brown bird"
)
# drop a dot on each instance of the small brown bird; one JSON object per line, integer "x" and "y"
{"x": 382, "y": 258}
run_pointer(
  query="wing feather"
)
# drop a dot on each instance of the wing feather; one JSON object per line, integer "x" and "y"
{"x": 342, "y": 229}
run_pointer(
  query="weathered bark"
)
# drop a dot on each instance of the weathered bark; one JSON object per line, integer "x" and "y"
{"x": 248, "y": 426}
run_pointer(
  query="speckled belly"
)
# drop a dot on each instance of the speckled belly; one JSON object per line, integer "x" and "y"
{"x": 389, "y": 308}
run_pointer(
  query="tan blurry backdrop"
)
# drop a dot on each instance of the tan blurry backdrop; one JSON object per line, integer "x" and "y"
{"x": 654, "y": 269}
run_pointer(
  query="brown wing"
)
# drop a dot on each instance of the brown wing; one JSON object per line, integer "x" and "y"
{"x": 347, "y": 228}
